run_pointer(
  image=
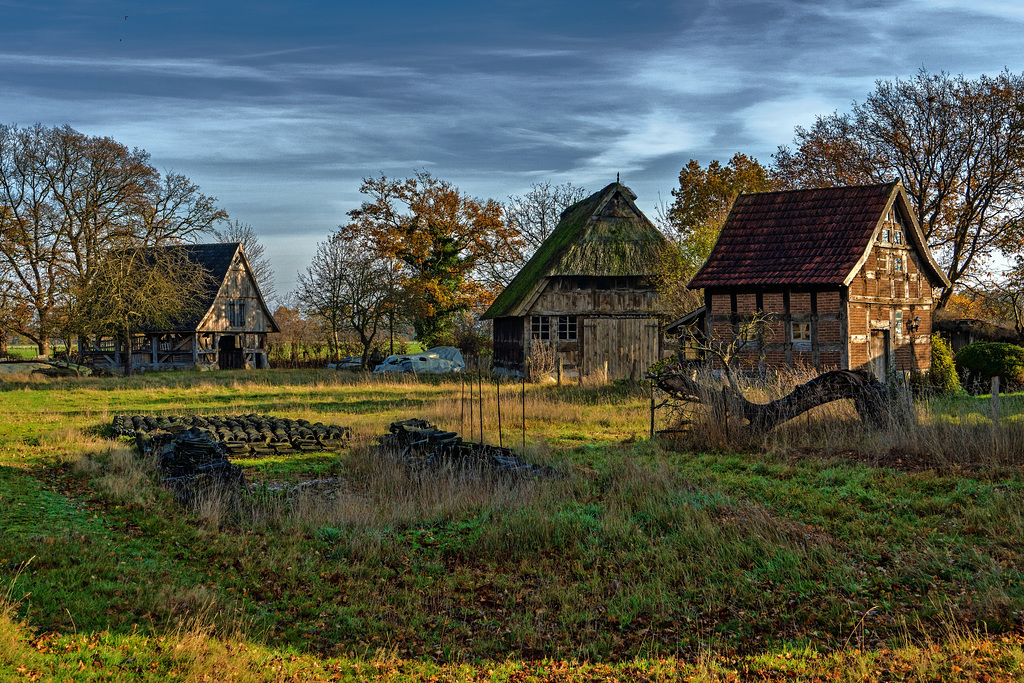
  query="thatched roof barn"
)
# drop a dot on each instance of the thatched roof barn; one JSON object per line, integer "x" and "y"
{"x": 585, "y": 297}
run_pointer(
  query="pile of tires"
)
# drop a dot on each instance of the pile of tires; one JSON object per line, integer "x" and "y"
{"x": 241, "y": 435}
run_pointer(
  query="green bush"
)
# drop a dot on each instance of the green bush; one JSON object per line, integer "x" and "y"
{"x": 982, "y": 361}
{"x": 943, "y": 377}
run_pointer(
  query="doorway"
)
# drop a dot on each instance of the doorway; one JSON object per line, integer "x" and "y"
{"x": 229, "y": 356}
{"x": 880, "y": 354}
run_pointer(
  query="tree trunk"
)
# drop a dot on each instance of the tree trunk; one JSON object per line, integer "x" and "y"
{"x": 4, "y": 341}
{"x": 126, "y": 355}
{"x": 871, "y": 398}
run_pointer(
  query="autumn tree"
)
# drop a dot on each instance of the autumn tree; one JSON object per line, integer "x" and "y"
{"x": 956, "y": 143}
{"x": 444, "y": 240}
{"x": 692, "y": 221}
{"x": 137, "y": 289}
{"x": 255, "y": 254}
{"x": 67, "y": 200}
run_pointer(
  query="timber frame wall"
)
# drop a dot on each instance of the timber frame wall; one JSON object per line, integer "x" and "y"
{"x": 869, "y": 325}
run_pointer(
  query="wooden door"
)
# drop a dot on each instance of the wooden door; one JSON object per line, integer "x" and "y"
{"x": 620, "y": 342}
{"x": 879, "y": 354}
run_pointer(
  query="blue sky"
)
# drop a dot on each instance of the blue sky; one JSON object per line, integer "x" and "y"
{"x": 278, "y": 109}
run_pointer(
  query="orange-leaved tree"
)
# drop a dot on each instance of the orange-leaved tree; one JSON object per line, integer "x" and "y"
{"x": 444, "y": 240}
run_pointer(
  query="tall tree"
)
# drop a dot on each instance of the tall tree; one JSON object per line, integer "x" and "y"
{"x": 136, "y": 289}
{"x": 346, "y": 288}
{"x": 956, "y": 143}
{"x": 255, "y": 253}
{"x": 66, "y": 199}
{"x": 530, "y": 218}
{"x": 700, "y": 205}
{"x": 444, "y": 239}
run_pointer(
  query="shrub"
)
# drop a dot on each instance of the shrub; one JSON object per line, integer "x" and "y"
{"x": 982, "y": 361}
{"x": 943, "y": 377}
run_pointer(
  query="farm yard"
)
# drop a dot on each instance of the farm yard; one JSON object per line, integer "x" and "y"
{"x": 821, "y": 551}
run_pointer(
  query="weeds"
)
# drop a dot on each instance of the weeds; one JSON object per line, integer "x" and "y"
{"x": 733, "y": 556}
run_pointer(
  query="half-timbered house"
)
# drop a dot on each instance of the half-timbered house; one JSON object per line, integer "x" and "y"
{"x": 585, "y": 297}
{"x": 228, "y": 331}
{"x": 836, "y": 277}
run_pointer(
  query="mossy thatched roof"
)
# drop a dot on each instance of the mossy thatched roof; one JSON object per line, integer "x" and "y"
{"x": 602, "y": 235}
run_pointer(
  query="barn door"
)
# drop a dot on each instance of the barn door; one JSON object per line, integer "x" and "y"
{"x": 619, "y": 342}
{"x": 879, "y": 354}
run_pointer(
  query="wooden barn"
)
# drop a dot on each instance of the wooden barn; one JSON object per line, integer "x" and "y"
{"x": 229, "y": 332}
{"x": 585, "y": 297}
{"x": 840, "y": 277}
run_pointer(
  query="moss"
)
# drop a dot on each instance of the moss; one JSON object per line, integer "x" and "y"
{"x": 581, "y": 245}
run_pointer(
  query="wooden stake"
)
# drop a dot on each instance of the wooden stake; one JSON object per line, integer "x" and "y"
{"x": 652, "y": 409}
{"x": 497, "y": 390}
{"x": 523, "y": 398}
{"x": 480, "y": 380}
{"x": 462, "y": 419}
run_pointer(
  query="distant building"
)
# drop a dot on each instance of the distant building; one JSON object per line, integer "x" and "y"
{"x": 586, "y": 296}
{"x": 230, "y": 331}
{"x": 842, "y": 276}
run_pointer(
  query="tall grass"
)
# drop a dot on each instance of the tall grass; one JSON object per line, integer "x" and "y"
{"x": 926, "y": 433}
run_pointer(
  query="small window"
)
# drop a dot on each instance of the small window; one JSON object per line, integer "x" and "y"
{"x": 897, "y": 237}
{"x": 567, "y": 328}
{"x": 897, "y": 264}
{"x": 899, "y": 323}
{"x": 801, "y": 332}
{"x": 885, "y": 234}
{"x": 540, "y": 327}
{"x": 583, "y": 283}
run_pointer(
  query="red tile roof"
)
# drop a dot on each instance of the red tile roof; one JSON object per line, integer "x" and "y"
{"x": 798, "y": 237}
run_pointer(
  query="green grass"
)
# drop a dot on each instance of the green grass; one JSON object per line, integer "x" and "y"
{"x": 637, "y": 556}
{"x": 23, "y": 350}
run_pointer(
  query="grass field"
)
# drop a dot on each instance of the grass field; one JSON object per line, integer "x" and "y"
{"x": 819, "y": 553}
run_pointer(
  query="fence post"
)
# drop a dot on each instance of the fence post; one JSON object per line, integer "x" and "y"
{"x": 995, "y": 401}
{"x": 652, "y": 409}
{"x": 561, "y": 363}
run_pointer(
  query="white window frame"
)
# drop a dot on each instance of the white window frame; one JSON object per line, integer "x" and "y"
{"x": 899, "y": 323}
{"x": 801, "y": 329}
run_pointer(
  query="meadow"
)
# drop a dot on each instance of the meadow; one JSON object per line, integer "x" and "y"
{"x": 822, "y": 551}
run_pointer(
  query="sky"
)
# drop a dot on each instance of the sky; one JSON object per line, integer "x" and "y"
{"x": 279, "y": 109}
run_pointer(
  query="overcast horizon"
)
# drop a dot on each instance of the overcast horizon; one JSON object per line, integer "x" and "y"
{"x": 279, "y": 111}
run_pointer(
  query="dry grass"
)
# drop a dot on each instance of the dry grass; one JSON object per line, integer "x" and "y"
{"x": 921, "y": 434}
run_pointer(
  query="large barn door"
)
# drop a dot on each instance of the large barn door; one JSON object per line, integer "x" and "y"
{"x": 619, "y": 342}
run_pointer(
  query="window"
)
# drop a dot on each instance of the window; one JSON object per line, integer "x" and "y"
{"x": 236, "y": 314}
{"x": 885, "y": 234}
{"x": 899, "y": 323}
{"x": 897, "y": 237}
{"x": 897, "y": 264}
{"x": 801, "y": 332}
{"x": 567, "y": 328}
{"x": 540, "y": 327}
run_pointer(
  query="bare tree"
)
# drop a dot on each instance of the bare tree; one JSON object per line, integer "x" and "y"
{"x": 532, "y": 217}
{"x": 346, "y": 288}
{"x": 958, "y": 146}
{"x": 255, "y": 253}
{"x": 66, "y": 200}
{"x": 137, "y": 289}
